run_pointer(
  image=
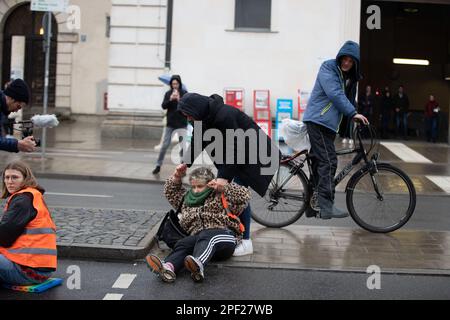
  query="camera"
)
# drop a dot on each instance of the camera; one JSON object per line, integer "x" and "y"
{"x": 26, "y": 127}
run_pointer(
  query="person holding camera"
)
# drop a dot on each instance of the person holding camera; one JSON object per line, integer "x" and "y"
{"x": 175, "y": 119}
{"x": 209, "y": 214}
{"x": 12, "y": 99}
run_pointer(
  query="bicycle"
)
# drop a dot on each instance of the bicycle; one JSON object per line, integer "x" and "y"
{"x": 380, "y": 197}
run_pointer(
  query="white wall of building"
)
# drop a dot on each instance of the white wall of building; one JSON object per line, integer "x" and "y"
{"x": 87, "y": 61}
{"x": 210, "y": 56}
{"x": 136, "y": 56}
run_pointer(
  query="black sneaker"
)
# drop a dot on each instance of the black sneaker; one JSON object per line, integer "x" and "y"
{"x": 333, "y": 213}
{"x": 156, "y": 170}
{"x": 195, "y": 267}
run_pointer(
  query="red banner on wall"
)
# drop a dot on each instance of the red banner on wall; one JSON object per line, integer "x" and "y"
{"x": 261, "y": 110}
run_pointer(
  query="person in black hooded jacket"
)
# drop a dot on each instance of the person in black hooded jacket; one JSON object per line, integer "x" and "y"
{"x": 250, "y": 163}
{"x": 175, "y": 120}
{"x": 12, "y": 99}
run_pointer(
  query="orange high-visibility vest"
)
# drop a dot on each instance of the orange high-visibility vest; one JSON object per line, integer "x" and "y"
{"x": 36, "y": 246}
{"x": 231, "y": 214}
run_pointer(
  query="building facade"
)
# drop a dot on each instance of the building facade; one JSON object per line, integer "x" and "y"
{"x": 110, "y": 64}
{"x": 79, "y": 72}
{"x": 212, "y": 50}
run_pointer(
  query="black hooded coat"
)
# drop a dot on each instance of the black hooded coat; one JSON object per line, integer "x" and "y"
{"x": 249, "y": 155}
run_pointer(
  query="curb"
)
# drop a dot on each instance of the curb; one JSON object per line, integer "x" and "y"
{"x": 110, "y": 253}
{"x": 280, "y": 266}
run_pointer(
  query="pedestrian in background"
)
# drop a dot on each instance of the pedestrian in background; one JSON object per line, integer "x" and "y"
{"x": 175, "y": 120}
{"x": 366, "y": 103}
{"x": 213, "y": 230}
{"x": 401, "y": 110}
{"x": 432, "y": 111}
{"x": 346, "y": 131}
{"x": 27, "y": 232}
{"x": 387, "y": 108}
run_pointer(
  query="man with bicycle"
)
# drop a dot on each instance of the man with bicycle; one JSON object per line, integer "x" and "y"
{"x": 333, "y": 97}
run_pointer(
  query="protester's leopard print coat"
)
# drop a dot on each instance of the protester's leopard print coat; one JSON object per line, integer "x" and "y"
{"x": 212, "y": 214}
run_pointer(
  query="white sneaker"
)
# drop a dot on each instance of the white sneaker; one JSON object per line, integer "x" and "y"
{"x": 351, "y": 142}
{"x": 244, "y": 248}
{"x": 344, "y": 140}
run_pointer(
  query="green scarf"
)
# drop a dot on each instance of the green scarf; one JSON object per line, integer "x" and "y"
{"x": 193, "y": 199}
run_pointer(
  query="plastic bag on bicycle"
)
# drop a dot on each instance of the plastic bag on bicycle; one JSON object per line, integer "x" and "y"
{"x": 295, "y": 134}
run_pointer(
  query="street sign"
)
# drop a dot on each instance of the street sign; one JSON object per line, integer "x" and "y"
{"x": 49, "y": 5}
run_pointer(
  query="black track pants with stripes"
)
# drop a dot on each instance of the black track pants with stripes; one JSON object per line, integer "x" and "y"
{"x": 205, "y": 245}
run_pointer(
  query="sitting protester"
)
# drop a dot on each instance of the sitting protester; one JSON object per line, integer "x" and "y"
{"x": 209, "y": 215}
{"x": 27, "y": 232}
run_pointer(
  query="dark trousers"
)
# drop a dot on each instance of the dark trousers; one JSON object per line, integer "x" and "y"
{"x": 324, "y": 162}
{"x": 205, "y": 245}
{"x": 401, "y": 121}
{"x": 431, "y": 128}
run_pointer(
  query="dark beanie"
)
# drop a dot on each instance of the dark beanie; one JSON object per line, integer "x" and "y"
{"x": 18, "y": 90}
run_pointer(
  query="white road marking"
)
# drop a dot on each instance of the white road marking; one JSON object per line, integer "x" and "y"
{"x": 124, "y": 281}
{"x": 79, "y": 195}
{"x": 113, "y": 296}
{"x": 79, "y": 155}
{"x": 441, "y": 182}
{"x": 405, "y": 153}
{"x": 77, "y": 151}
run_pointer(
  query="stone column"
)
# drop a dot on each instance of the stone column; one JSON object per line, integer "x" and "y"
{"x": 17, "y": 65}
{"x": 64, "y": 72}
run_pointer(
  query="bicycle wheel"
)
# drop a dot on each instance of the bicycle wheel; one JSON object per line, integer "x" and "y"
{"x": 381, "y": 201}
{"x": 285, "y": 199}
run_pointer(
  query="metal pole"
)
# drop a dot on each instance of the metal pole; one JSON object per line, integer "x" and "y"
{"x": 48, "y": 38}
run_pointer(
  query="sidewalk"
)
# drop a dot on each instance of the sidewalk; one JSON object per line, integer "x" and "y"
{"x": 77, "y": 150}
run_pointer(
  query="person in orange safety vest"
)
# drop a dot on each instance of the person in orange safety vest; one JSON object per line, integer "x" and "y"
{"x": 28, "y": 252}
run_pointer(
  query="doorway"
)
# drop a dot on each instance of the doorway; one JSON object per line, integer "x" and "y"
{"x": 24, "y": 22}
{"x": 409, "y": 30}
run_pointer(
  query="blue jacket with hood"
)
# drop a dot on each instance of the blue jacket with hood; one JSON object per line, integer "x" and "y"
{"x": 328, "y": 101}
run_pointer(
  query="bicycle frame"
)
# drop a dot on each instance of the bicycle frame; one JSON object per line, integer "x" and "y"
{"x": 360, "y": 151}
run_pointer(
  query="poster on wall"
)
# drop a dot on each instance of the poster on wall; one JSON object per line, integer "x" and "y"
{"x": 261, "y": 99}
{"x": 284, "y": 111}
{"x": 235, "y": 98}
{"x": 303, "y": 98}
